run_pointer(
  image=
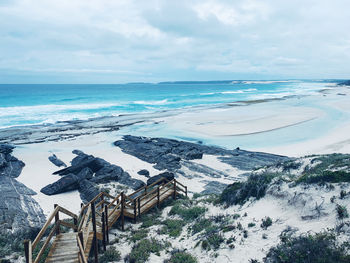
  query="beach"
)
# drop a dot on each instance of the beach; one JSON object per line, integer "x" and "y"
{"x": 294, "y": 126}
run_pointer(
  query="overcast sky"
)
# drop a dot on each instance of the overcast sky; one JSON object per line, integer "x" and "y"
{"x": 118, "y": 41}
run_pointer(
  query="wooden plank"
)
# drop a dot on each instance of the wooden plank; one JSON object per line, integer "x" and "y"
{"x": 62, "y": 222}
{"x": 68, "y": 213}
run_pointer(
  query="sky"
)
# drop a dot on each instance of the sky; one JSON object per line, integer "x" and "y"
{"x": 119, "y": 41}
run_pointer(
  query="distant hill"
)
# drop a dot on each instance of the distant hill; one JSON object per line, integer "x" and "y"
{"x": 344, "y": 83}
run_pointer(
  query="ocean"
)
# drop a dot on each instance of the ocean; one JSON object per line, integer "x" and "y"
{"x": 38, "y": 104}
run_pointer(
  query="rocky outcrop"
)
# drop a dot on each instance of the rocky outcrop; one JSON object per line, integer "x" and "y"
{"x": 9, "y": 165}
{"x": 168, "y": 153}
{"x": 18, "y": 210}
{"x": 54, "y": 159}
{"x": 213, "y": 187}
{"x": 89, "y": 171}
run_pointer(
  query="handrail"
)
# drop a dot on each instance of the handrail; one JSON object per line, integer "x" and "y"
{"x": 115, "y": 199}
{"x": 147, "y": 186}
{"x": 55, "y": 229}
{"x": 177, "y": 182}
{"x": 115, "y": 208}
{"x": 67, "y": 212}
{"x": 41, "y": 233}
{"x": 52, "y": 232}
{"x": 81, "y": 250}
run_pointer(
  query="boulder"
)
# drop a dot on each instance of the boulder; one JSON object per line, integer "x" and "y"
{"x": 144, "y": 172}
{"x": 167, "y": 175}
{"x": 66, "y": 183}
{"x": 53, "y": 158}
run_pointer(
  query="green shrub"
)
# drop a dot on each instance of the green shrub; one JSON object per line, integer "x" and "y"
{"x": 110, "y": 255}
{"x": 182, "y": 257}
{"x": 251, "y": 224}
{"x": 317, "y": 248}
{"x": 149, "y": 220}
{"x": 342, "y": 212}
{"x": 138, "y": 235}
{"x": 215, "y": 240}
{"x": 240, "y": 192}
{"x": 266, "y": 222}
{"x": 200, "y": 225}
{"x": 187, "y": 214}
{"x": 323, "y": 177}
{"x": 142, "y": 250}
{"x": 172, "y": 227}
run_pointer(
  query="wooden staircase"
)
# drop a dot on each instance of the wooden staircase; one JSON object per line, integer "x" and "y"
{"x": 94, "y": 221}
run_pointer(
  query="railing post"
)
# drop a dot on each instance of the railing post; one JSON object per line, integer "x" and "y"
{"x": 135, "y": 209}
{"x": 158, "y": 196}
{"x": 174, "y": 194}
{"x": 139, "y": 206}
{"x": 76, "y": 224}
{"x": 57, "y": 219}
{"x": 122, "y": 209}
{"x": 103, "y": 231}
{"x": 93, "y": 212}
{"x": 107, "y": 226}
{"x": 28, "y": 250}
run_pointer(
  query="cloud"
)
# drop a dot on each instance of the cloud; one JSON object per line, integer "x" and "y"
{"x": 156, "y": 40}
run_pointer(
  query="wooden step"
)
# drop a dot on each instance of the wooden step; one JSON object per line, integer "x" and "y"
{"x": 64, "y": 249}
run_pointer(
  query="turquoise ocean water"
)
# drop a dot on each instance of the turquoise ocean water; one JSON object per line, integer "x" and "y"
{"x": 36, "y": 104}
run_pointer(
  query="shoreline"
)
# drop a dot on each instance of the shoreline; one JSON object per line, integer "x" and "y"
{"x": 36, "y": 143}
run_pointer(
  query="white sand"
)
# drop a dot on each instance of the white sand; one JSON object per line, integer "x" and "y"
{"x": 241, "y": 120}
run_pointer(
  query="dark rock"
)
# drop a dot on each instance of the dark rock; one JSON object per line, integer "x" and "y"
{"x": 144, "y": 172}
{"x": 88, "y": 190}
{"x": 53, "y": 158}
{"x": 91, "y": 162}
{"x": 107, "y": 174}
{"x": 66, "y": 183}
{"x": 9, "y": 165}
{"x": 6, "y": 148}
{"x": 167, "y": 153}
{"x": 18, "y": 210}
{"x": 86, "y": 173}
{"x": 126, "y": 179}
{"x": 166, "y": 175}
{"x": 194, "y": 154}
{"x": 214, "y": 187}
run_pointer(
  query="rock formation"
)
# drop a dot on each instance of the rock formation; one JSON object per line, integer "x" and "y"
{"x": 85, "y": 173}
{"x": 18, "y": 210}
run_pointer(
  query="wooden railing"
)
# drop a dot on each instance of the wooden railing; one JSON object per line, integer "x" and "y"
{"x": 30, "y": 246}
